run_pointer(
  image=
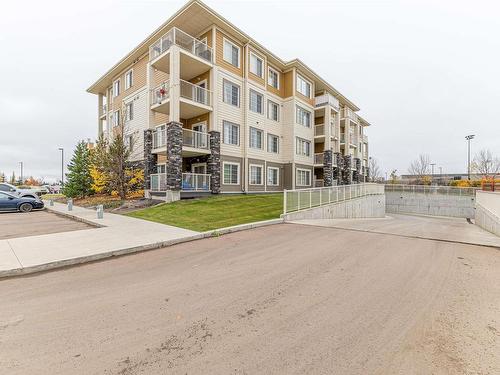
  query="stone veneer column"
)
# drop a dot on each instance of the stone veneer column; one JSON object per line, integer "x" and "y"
{"x": 336, "y": 174}
{"x": 357, "y": 173}
{"x": 367, "y": 174}
{"x": 149, "y": 158}
{"x": 213, "y": 162}
{"x": 327, "y": 168}
{"x": 174, "y": 155}
{"x": 346, "y": 171}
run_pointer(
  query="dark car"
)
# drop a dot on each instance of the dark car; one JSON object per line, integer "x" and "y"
{"x": 9, "y": 202}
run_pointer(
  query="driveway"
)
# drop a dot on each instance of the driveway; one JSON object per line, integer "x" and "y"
{"x": 15, "y": 224}
{"x": 283, "y": 299}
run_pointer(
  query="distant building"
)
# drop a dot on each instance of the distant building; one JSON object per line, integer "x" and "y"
{"x": 441, "y": 179}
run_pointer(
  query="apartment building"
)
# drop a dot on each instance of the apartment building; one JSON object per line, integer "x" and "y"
{"x": 207, "y": 110}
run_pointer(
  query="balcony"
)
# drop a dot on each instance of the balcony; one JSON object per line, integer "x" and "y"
{"x": 319, "y": 158}
{"x": 342, "y": 137}
{"x": 319, "y": 183}
{"x": 349, "y": 113}
{"x": 190, "y": 182}
{"x": 319, "y": 130}
{"x": 195, "y": 58}
{"x": 103, "y": 110}
{"x": 365, "y": 139}
{"x": 193, "y": 142}
{"x": 327, "y": 99}
{"x": 194, "y": 100}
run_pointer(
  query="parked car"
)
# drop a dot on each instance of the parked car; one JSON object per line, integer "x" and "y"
{"x": 10, "y": 202}
{"x": 28, "y": 193}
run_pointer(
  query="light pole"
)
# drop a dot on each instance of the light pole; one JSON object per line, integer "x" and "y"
{"x": 21, "y": 177}
{"x": 468, "y": 138}
{"x": 62, "y": 165}
{"x": 432, "y": 173}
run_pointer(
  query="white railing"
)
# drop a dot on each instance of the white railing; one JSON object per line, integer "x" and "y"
{"x": 365, "y": 138}
{"x": 159, "y": 138}
{"x": 158, "y": 181}
{"x": 195, "y": 182}
{"x": 184, "y": 41}
{"x": 191, "y": 138}
{"x": 196, "y": 93}
{"x": 327, "y": 99}
{"x": 104, "y": 110}
{"x": 319, "y": 183}
{"x": 319, "y": 130}
{"x": 349, "y": 113}
{"x": 160, "y": 93}
{"x": 342, "y": 137}
{"x": 319, "y": 158}
{"x": 303, "y": 199}
{"x": 428, "y": 189}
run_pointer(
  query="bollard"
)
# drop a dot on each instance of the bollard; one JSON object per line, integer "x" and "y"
{"x": 100, "y": 211}
{"x": 51, "y": 202}
{"x": 70, "y": 204}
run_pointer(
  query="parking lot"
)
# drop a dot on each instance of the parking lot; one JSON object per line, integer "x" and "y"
{"x": 14, "y": 224}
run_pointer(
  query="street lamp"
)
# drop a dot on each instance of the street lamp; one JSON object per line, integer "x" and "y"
{"x": 432, "y": 173}
{"x": 62, "y": 165}
{"x": 468, "y": 138}
{"x": 21, "y": 177}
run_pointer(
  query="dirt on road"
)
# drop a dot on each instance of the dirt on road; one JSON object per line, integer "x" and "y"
{"x": 284, "y": 299}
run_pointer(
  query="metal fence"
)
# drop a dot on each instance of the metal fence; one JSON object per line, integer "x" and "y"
{"x": 303, "y": 199}
{"x": 428, "y": 189}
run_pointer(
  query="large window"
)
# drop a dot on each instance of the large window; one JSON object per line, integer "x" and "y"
{"x": 116, "y": 88}
{"x": 231, "y": 173}
{"x": 231, "y": 53}
{"x": 273, "y": 110}
{"x": 273, "y": 176}
{"x": 302, "y": 177}
{"x": 129, "y": 114}
{"x": 116, "y": 118}
{"x": 303, "y": 117}
{"x": 256, "y": 177}
{"x": 256, "y": 65}
{"x": 303, "y": 86}
{"x": 255, "y": 138}
{"x": 231, "y": 93}
{"x": 303, "y": 147}
{"x": 273, "y": 143}
{"x": 129, "y": 79}
{"x": 256, "y": 102}
{"x": 273, "y": 78}
{"x": 231, "y": 133}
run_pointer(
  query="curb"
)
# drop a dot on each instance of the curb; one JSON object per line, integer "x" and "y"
{"x": 131, "y": 250}
{"x": 75, "y": 218}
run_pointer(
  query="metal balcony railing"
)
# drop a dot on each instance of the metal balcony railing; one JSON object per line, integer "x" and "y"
{"x": 158, "y": 181}
{"x": 327, "y": 99}
{"x": 196, "y": 93}
{"x": 195, "y": 139}
{"x": 159, "y": 138}
{"x": 185, "y": 41}
{"x": 160, "y": 93}
{"x": 319, "y": 158}
{"x": 349, "y": 113}
{"x": 195, "y": 182}
{"x": 342, "y": 138}
{"x": 319, "y": 130}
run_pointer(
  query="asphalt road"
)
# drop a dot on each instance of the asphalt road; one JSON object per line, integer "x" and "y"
{"x": 284, "y": 299}
{"x": 16, "y": 224}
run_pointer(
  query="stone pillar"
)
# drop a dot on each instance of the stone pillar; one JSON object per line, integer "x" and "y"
{"x": 149, "y": 158}
{"x": 336, "y": 173}
{"x": 174, "y": 155}
{"x": 327, "y": 168}
{"x": 213, "y": 162}
{"x": 346, "y": 171}
{"x": 368, "y": 174}
{"x": 357, "y": 173}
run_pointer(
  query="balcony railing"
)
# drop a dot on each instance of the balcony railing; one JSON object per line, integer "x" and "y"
{"x": 195, "y": 139}
{"x": 159, "y": 138}
{"x": 327, "y": 99}
{"x": 319, "y": 158}
{"x": 190, "y": 182}
{"x": 158, "y": 181}
{"x": 349, "y": 113}
{"x": 319, "y": 183}
{"x": 196, "y": 93}
{"x": 319, "y": 130}
{"x": 342, "y": 138}
{"x": 104, "y": 110}
{"x": 160, "y": 93}
{"x": 185, "y": 41}
{"x": 365, "y": 138}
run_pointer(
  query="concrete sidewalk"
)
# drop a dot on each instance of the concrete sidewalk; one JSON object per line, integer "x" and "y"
{"x": 112, "y": 235}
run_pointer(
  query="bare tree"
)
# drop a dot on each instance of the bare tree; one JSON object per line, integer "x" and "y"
{"x": 420, "y": 168}
{"x": 486, "y": 164}
{"x": 374, "y": 169}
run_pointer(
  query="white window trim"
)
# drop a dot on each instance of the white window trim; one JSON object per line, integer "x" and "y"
{"x": 224, "y": 40}
{"x": 297, "y": 139}
{"x": 239, "y": 92}
{"x": 277, "y": 75}
{"x": 307, "y": 81}
{"x": 131, "y": 81}
{"x": 250, "y": 65}
{"x": 261, "y": 174}
{"x": 224, "y": 172}
{"x": 224, "y": 133}
{"x": 269, "y": 101}
{"x": 273, "y": 135}
{"x": 119, "y": 86}
{"x": 304, "y": 170}
{"x": 250, "y": 138}
{"x": 127, "y": 115}
{"x": 250, "y": 102}
{"x": 310, "y": 116}
{"x": 116, "y": 115}
{"x": 277, "y": 176}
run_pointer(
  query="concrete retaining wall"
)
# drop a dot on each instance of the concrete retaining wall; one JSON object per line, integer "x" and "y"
{"x": 363, "y": 207}
{"x": 434, "y": 204}
{"x": 488, "y": 211}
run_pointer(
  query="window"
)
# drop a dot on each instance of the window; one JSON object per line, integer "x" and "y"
{"x": 116, "y": 88}
{"x": 129, "y": 141}
{"x": 272, "y": 143}
{"x": 116, "y": 118}
{"x": 273, "y": 110}
{"x": 273, "y": 176}
{"x": 256, "y": 65}
{"x": 110, "y": 95}
{"x": 255, "y": 138}
{"x": 303, "y": 86}
{"x": 231, "y": 53}
{"x": 273, "y": 78}
{"x": 256, "y": 175}
{"x": 256, "y": 102}
{"x": 129, "y": 114}
{"x": 129, "y": 79}
{"x": 4, "y": 196}
{"x": 231, "y": 133}
{"x": 231, "y": 93}
{"x": 231, "y": 173}
{"x": 303, "y": 117}
{"x": 303, "y": 177}
{"x": 303, "y": 147}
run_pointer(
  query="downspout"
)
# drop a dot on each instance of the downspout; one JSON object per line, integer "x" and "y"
{"x": 245, "y": 120}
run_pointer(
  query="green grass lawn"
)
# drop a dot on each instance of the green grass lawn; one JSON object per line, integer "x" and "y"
{"x": 215, "y": 212}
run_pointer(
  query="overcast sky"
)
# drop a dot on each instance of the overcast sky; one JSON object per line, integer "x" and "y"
{"x": 424, "y": 72}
